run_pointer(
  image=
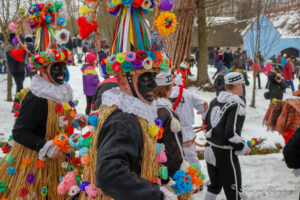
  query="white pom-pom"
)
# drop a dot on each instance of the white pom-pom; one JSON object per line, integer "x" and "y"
{"x": 62, "y": 36}
{"x": 74, "y": 190}
{"x": 175, "y": 125}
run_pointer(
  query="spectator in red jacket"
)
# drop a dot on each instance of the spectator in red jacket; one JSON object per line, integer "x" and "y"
{"x": 288, "y": 74}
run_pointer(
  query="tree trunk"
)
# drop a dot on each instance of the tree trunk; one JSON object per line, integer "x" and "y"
{"x": 178, "y": 43}
{"x": 71, "y": 15}
{"x": 256, "y": 54}
{"x": 202, "y": 76}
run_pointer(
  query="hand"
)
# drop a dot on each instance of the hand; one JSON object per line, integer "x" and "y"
{"x": 57, "y": 153}
{"x": 82, "y": 121}
{"x": 248, "y": 151}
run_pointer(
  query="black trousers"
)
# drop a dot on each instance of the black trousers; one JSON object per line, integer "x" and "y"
{"x": 258, "y": 78}
{"x": 19, "y": 78}
{"x": 226, "y": 174}
{"x": 89, "y": 100}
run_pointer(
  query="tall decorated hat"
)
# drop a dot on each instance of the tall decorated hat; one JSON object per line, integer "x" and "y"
{"x": 44, "y": 20}
{"x": 135, "y": 49}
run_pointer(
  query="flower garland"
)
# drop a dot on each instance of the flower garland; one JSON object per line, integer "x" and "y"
{"x": 114, "y": 6}
{"x": 49, "y": 56}
{"x": 134, "y": 61}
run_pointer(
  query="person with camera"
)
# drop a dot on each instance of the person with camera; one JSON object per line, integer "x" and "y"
{"x": 277, "y": 84}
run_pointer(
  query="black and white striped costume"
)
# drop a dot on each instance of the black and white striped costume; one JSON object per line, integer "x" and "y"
{"x": 225, "y": 119}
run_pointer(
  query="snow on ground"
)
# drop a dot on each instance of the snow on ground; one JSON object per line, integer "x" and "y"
{"x": 265, "y": 176}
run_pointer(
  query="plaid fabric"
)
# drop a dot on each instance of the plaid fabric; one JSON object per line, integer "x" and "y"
{"x": 283, "y": 117}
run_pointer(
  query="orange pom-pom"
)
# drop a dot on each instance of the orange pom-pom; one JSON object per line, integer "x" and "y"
{"x": 40, "y": 164}
{"x": 195, "y": 177}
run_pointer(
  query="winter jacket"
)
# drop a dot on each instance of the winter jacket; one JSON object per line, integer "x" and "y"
{"x": 291, "y": 151}
{"x": 119, "y": 153}
{"x": 257, "y": 67}
{"x": 30, "y": 127}
{"x": 279, "y": 58}
{"x": 185, "y": 111}
{"x": 288, "y": 72}
{"x": 237, "y": 62}
{"x": 276, "y": 89}
{"x": 283, "y": 61}
{"x": 102, "y": 55}
{"x": 227, "y": 58}
{"x": 14, "y": 65}
{"x": 267, "y": 69}
{"x": 2, "y": 54}
{"x": 174, "y": 158}
{"x": 90, "y": 80}
{"x": 219, "y": 84}
{"x": 104, "y": 86}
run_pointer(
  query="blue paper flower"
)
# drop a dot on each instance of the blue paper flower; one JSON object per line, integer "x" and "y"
{"x": 61, "y": 21}
{"x": 48, "y": 19}
{"x": 183, "y": 183}
{"x": 34, "y": 8}
{"x": 127, "y": 2}
{"x": 83, "y": 185}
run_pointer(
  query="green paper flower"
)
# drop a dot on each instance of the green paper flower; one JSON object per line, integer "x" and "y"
{"x": 3, "y": 187}
{"x": 9, "y": 158}
{"x": 22, "y": 11}
{"x": 163, "y": 173}
{"x": 58, "y": 5}
{"x": 126, "y": 66}
{"x": 87, "y": 142}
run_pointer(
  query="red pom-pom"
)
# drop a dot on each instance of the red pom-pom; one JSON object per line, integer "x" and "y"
{"x": 16, "y": 113}
{"x": 5, "y": 149}
{"x": 137, "y": 3}
{"x": 16, "y": 106}
{"x": 18, "y": 54}
{"x": 85, "y": 28}
{"x": 70, "y": 130}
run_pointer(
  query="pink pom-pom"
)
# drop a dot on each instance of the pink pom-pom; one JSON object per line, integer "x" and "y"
{"x": 91, "y": 190}
{"x": 68, "y": 181}
{"x": 12, "y": 26}
{"x": 161, "y": 157}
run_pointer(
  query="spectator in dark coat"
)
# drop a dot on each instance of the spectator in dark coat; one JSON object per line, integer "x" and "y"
{"x": 30, "y": 47}
{"x": 16, "y": 68}
{"x": 237, "y": 63}
{"x": 288, "y": 74}
{"x": 103, "y": 53}
{"x": 291, "y": 153}
{"x": 2, "y": 59}
{"x": 219, "y": 83}
{"x": 228, "y": 58}
{"x": 276, "y": 84}
{"x": 219, "y": 57}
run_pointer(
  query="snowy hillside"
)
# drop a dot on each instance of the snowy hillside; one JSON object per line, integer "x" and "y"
{"x": 265, "y": 177}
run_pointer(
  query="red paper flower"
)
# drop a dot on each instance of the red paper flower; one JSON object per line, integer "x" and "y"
{"x": 16, "y": 114}
{"x": 24, "y": 192}
{"x": 70, "y": 130}
{"x": 59, "y": 108}
{"x": 5, "y": 149}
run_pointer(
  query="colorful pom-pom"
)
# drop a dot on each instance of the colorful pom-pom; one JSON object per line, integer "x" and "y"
{"x": 83, "y": 10}
{"x": 183, "y": 183}
{"x": 163, "y": 173}
{"x": 166, "y": 23}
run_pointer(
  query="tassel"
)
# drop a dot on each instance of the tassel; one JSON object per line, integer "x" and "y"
{"x": 175, "y": 125}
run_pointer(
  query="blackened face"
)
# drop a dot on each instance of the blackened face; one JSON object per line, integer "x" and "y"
{"x": 58, "y": 72}
{"x": 146, "y": 84}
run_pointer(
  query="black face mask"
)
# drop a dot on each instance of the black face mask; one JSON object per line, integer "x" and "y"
{"x": 58, "y": 70}
{"x": 146, "y": 83}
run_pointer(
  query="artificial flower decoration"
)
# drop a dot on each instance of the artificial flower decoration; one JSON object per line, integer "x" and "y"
{"x": 9, "y": 158}
{"x": 30, "y": 179}
{"x": 74, "y": 190}
{"x": 63, "y": 121}
{"x": 3, "y": 186}
{"x": 61, "y": 141}
{"x": 24, "y": 192}
{"x": 25, "y": 163}
{"x": 91, "y": 190}
{"x": 166, "y": 5}
{"x": 75, "y": 140}
{"x": 113, "y": 6}
{"x": 67, "y": 182}
{"x": 58, "y": 5}
{"x": 40, "y": 164}
{"x": 22, "y": 11}
{"x": 61, "y": 21}
{"x": 183, "y": 183}
{"x": 166, "y": 23}
{"x": 62, "y": 36}
{"x": 11, "y": 170}
{"x": 44, "y": 191}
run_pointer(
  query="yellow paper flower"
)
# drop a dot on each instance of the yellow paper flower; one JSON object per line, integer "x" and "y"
{"x": 166, "y": 23}
{"x": 83, "y": 10}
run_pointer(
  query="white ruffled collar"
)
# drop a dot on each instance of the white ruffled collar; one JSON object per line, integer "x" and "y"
{"x": 225, "y": 97}
{"x": 45, "y": 89}
{"x": 163, "y": 102}
{"x": 129, "y": 104}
